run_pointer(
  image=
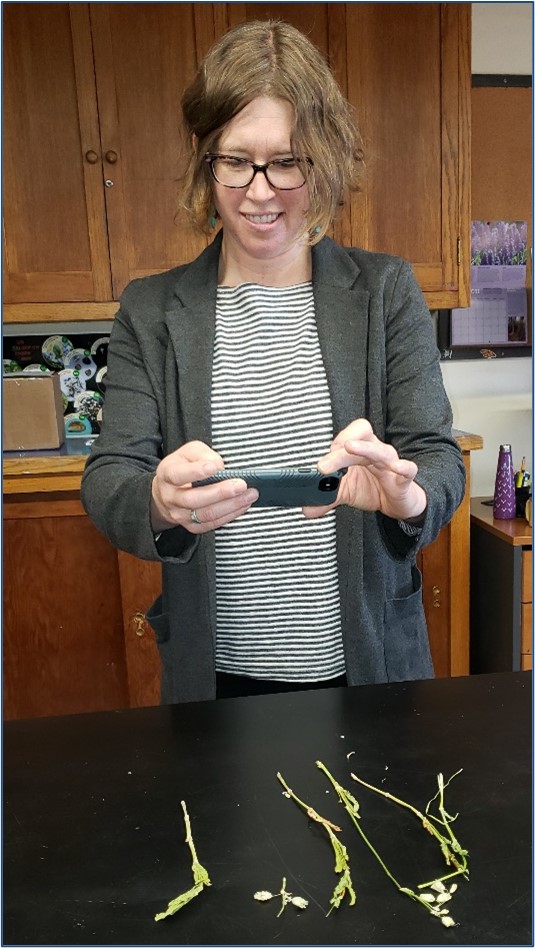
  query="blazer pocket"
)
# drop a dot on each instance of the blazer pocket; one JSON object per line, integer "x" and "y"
{"x": 406, "y": 643}
{"x": 159, "y": 621}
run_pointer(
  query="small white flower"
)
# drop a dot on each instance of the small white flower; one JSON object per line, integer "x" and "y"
{"x": 286, "y": 794}
{"x": 263, "y": 896}
{"x": 427, "y": 897}
{"x": 443, "y": 897}
{"x": 438, "y": 886}
{"x": 453, "y": 888}
{"x": 299, "y": 902}
{"x": 447, "y": 921}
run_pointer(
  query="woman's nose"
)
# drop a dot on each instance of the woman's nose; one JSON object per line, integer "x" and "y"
{"x": 260, "y": 188}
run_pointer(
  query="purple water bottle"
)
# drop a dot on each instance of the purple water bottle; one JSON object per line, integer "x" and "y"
{"x": 504, "y": 507}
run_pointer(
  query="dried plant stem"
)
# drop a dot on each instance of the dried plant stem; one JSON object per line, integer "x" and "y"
{"x": 341, "y": 858}
{"x": 200, "y": 875}
{"x": 453, "y": 854}
{"x": 352, "y": 807}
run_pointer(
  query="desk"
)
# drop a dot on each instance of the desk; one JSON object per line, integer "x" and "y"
{"x": 501, "y": 563}
{"x": 94, "y": 838}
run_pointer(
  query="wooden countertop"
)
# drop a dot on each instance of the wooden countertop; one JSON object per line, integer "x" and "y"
{"x": 516, "y": 532}
{"x": 466, "y": 440}
{"x": 31, "y": 472}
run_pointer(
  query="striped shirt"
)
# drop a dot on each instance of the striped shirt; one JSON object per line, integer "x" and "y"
{"x": 278, "y": 606}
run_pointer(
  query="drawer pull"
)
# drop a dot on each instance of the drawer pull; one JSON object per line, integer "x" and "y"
{"x": 139, "y": 619}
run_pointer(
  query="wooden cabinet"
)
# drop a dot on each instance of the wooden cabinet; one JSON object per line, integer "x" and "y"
{"x": 92, "y": 140}
{"x": 62, "y": 612}
{"x": 501, "y": 564}
{"x": 55, "y": 241}
{"x": 408, "y": 75}
{"x": 446, "y": 581}
{"x": 75, "y": 634}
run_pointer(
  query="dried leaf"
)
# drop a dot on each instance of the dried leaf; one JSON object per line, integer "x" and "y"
{"x": 181, "y": 900}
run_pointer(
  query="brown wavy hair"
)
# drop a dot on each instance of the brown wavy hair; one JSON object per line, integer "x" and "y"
{"x": 272, "y": 58}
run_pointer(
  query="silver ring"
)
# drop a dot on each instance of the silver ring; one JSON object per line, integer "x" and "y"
{"x": 194, "y": 518}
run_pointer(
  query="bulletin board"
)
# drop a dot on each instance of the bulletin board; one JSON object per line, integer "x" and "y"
{"x": 502, "y": 152}
{"x": 501, "y": 179}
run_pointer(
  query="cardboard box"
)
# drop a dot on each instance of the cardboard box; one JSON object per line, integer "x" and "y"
{"x": 32, "y": 411}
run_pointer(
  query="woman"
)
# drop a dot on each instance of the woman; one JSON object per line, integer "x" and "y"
{"x": 275, "y": 348}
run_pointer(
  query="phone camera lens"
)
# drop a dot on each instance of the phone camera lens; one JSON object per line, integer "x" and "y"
{"x": 328, "y": 483}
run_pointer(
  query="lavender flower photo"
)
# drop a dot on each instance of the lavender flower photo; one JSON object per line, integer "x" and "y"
{"x": 499, "y": 243}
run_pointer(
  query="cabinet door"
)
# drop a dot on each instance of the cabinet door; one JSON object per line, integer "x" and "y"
{"x": 55, "y": 242}
{"x": 62, "y": 622}
{"x": 446, "y": 590}
{"x": 145, "y": 55}
{"x": 409, "y": 80}
{"x": 141, "y": 583}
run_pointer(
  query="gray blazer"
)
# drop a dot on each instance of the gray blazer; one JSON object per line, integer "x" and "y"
{"x": 382, "y": 363}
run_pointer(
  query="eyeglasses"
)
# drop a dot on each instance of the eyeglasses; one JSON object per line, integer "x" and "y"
{"x": 284, "y": 174}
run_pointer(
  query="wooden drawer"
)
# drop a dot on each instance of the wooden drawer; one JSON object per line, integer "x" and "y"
{"x": 527, "y": 576}
{"x": 526, "y": 664}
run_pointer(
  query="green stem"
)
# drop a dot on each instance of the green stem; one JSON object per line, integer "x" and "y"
{"x": 282, "y": 894}
{"x": 447, "y": 843}
{"x": 341, "y": 858}
{"x": 308, "y": 809}
{"x": 351, "y": 807}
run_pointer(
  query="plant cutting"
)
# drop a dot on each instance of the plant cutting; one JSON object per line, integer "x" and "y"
{"x": 200, "y": 876}
{"x": 433, "y": 900}
{"x": 344, "y": 886}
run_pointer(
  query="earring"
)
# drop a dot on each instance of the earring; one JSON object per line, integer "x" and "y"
{"x": 212, "y": 220}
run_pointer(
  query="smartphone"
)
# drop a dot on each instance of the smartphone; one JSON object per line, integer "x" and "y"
{"x": 285, "y": 487}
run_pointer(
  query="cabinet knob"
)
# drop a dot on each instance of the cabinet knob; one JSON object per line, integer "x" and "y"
{"x": 108, "y": 183}
{"x": 111, "y": 157}
{"x": 91, "y": 157}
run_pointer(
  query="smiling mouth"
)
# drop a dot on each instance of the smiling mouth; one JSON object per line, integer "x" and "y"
{"x": 262, "y": 218}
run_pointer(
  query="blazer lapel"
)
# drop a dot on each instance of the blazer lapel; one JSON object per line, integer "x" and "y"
{"x": 191, "y": 325}
{"x": 342, "y": 316}
{"x": 342, "y": 320}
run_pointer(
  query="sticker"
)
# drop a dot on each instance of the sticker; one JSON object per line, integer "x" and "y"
{"x": 99, "y": 350}
{"x": 101, "y": 379}
{"x": 37, "y": 367}
{"x": 77, "y": 424}
{"x": 82, "y": 360}
{"x": 11, "y": 366}
{"x": 71, "y": 383}
{"x": 90, "y": 403}
{"x": 55, "y": 349}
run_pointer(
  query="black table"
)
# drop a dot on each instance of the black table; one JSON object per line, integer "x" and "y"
{"x": 94, "y": 837}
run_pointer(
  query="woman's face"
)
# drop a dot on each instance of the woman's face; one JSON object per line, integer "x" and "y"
{"x": 260, "y": 221}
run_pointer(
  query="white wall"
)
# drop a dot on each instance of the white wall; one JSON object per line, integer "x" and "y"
{"x": 493, "y": 398}
{"x": 501, "y": 38}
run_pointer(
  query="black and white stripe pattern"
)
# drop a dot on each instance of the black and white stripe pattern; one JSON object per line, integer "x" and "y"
{"x": 278, "y": 609}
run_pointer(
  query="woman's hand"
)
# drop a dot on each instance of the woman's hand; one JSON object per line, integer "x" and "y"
{"x": 377, "y": 478}
{"x": 174, "y": 498}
